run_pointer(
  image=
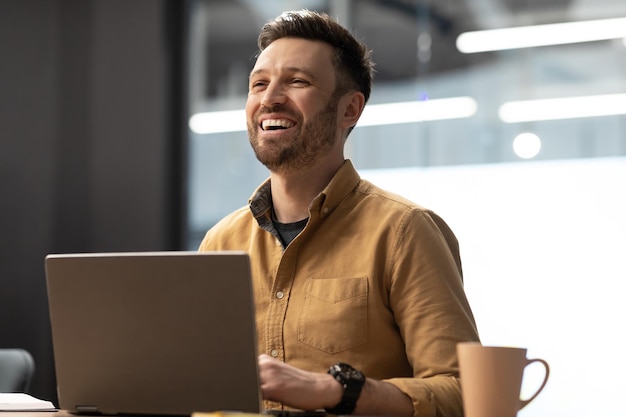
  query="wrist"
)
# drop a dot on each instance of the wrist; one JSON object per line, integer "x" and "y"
{"x": 333, "y": 391}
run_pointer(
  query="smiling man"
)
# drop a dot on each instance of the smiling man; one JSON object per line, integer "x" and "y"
{"x": 358, "y": 292}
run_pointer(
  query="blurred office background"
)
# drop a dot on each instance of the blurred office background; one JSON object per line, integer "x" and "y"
{"x": 122, "y": 129}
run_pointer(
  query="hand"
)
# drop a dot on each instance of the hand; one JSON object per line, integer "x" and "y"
{"x": 297, "y": 388}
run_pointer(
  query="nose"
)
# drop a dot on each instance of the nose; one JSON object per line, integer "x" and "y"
{"x": 273, "y": 95}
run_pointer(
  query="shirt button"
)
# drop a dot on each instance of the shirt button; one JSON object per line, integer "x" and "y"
{"x": 274, "y": 353}
{"x": 280, "y": 295}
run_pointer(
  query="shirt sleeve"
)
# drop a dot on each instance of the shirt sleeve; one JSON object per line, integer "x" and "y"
{"x": 432, "y": 313}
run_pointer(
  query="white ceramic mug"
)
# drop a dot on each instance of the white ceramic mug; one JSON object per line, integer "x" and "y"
{"x": 491, "y": 379}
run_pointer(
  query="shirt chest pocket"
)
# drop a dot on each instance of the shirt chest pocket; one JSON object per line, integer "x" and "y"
{"x": 334, "y": 314}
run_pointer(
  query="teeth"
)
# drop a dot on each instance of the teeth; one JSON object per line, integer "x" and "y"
{"x": 276, "y": 123}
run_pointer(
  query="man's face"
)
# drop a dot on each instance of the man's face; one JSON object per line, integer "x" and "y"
{"x": 291, "y": 110}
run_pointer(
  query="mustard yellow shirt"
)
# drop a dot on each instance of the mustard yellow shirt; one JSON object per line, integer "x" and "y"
{"x": 373, "y": 280}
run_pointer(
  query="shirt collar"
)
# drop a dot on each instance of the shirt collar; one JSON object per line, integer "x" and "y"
{"x": 342, "y": 183}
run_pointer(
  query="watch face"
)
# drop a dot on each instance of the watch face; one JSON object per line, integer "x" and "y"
{"x": 355, "y": 375}
{"x": 347, "y": 372}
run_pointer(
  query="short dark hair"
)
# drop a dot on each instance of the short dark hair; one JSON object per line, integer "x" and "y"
{"x": 352, "y": 59}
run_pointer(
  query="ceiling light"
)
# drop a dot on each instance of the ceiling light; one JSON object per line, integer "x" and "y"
{"x": 527, "y": 145}
{"x": 218, "y": 122}
{"x": 541, "y": 35}
{"x": 563, "y": 108}
{"x": 418, "y": 111}
{"x": 373, "y": 114}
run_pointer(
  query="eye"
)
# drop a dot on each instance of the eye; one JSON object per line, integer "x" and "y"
{"x": 257, "y": 85}
{"x": 299, "y": 82}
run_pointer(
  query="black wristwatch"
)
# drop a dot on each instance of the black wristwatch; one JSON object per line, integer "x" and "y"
{"x": 352, "y": 382}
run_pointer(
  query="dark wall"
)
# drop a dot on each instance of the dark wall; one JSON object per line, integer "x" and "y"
{"x": 91, "y": 145}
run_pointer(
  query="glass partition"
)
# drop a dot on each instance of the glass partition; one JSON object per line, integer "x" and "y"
{"x": 507, "y": 106}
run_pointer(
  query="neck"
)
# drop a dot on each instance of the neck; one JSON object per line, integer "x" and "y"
{"x": 292, "y": 193}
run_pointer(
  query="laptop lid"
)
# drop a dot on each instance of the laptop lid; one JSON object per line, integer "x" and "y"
{"x": 153, "y": 333}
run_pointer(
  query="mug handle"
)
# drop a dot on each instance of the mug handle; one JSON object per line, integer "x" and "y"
{"x": 524, "y": 403}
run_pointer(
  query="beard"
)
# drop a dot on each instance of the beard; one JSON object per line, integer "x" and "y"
{"x": 293, "y": 154}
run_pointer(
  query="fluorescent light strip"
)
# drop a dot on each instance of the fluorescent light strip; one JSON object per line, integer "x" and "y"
{"x": 541, "y": 35}
{"x": 418, "y": 111}
{"x": 218, "y": 122}
{"x": 373, "y": 115}
{"x": 563, "y": 108}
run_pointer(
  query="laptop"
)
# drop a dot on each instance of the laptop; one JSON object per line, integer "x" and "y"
{"x": 160, "y": 333}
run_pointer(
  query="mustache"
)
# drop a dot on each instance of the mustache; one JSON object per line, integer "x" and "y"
{"x": 275, "y": 108}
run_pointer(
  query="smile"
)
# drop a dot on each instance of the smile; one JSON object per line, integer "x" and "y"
{"x": 275, "y": 124}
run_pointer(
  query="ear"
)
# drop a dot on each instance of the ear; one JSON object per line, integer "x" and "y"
{"x": 351, "y": 107}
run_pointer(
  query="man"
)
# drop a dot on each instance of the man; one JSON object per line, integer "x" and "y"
{"x": 343, "y": 271}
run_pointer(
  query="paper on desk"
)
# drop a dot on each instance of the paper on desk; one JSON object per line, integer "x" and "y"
{"x": 18, "y": 401}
